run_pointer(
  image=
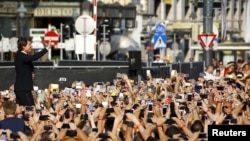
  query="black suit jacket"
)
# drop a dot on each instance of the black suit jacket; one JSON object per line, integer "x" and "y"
{"x": 24, "y": 69}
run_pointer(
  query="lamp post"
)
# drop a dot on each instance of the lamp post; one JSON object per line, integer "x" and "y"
{"x": 75, "y": 15}
{"x": 21, "y": 10}
{"x": 150, "y": 24}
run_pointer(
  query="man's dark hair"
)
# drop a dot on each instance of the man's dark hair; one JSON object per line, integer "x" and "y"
{"x": 45, "y": 136}
{"x": 172, "y": 130}
{"x": 22, "y": 41}
{"x": 197, "y": 126}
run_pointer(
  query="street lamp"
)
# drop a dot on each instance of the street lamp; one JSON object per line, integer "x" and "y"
{"x": 75, "y": 15}
{"x": 21, "y": 10}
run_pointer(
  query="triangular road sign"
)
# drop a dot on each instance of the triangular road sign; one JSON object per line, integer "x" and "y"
{"x": 206, "y": 40}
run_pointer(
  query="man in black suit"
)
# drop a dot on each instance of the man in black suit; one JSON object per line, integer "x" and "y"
{"x": 25, "y": 71}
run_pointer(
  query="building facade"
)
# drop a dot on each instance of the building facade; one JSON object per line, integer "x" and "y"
{"x": 184, "y": 16}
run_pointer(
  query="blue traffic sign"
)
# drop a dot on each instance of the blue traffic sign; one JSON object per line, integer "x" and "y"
{"x": 160, "y": 41}
{"x": 160, "y": 29}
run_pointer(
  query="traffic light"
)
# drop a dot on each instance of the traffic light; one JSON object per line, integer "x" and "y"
{"x": 104, "y": 31}
{"x": 145, "y": 37}
{"x": 66, "y": 32}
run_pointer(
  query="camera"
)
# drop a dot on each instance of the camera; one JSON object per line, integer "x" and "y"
{"x": 220, "y": 88}
{"x": 53, "y": 113}
{"x": 29, "y": 108}
{"x": 103, "y": 136}
{"x": 129, "y": 123}
{"x": 84, "y": 116}
{"x": 95, "y": 129}
{"x": 189, "y": 96}
{"x": 199, "y": 103}
{"x": 203, "y": 96}
{"x": 164, "y": 109}
{"x": 56, "y": 95}
{"x": 44, "y": 117}
{"x": 14, "y": 135}
{"x": 47, "y": 127}
{"x": 78, "y": 105}
{"x": 178, "y": 96}
{"x": 71, "y": 133}
{"x": 65, "y": 126}
{"x": 126, "y": 111}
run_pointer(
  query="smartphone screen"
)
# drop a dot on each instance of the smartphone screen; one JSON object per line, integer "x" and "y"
{"x": 90, "y": 107}
{"x": 164, "y": 110}
{"x": 199, "y": 103}
{"x": 220, "y": 88}
{"x": 78, "y": 105}
{"x": 150, "y": 107}
{"x": 143, "y": 102}
{"x": 189, "y": 97}
{"x": 65, "y": 126}
{"x": 105, "y": 104}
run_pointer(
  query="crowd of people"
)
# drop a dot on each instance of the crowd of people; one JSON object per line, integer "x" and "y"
{"x": 173, "y": 108}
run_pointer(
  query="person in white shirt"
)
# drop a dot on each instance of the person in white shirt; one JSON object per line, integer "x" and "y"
{"x": 209, "y": 73}
{"x": 158, "y": 59}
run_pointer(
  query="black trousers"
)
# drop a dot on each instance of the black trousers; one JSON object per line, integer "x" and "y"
{"x": 24, "y": 98}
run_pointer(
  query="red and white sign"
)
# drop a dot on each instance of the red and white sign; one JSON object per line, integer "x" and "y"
{"x": 206, "y": 40}
{"x": 52, "y": 37}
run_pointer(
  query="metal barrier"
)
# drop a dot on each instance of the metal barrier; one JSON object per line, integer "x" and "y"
{"x": 93, "y": 73}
